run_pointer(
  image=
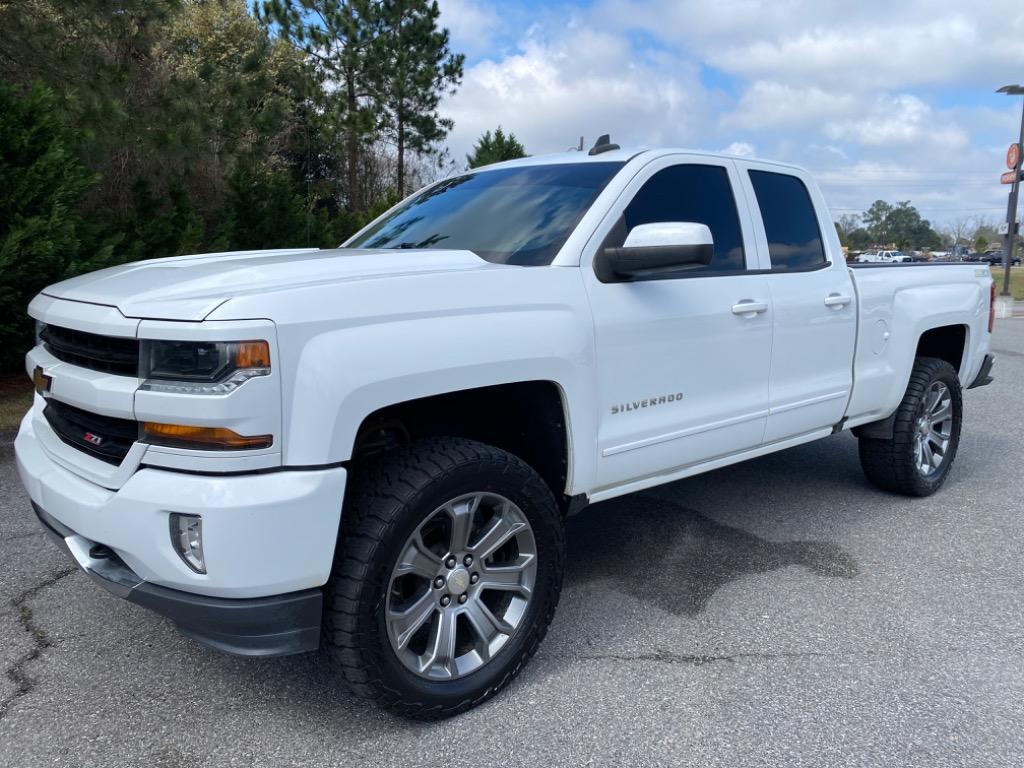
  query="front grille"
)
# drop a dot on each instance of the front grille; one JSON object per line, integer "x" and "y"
{"x": 109, "y": 354}
{"x": 104, "y": 437}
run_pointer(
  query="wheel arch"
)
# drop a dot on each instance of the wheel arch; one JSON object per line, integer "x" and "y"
{"x": 529, "y": 419}
{"x": 946, "y": 342}
{"x": 950, "y": 343}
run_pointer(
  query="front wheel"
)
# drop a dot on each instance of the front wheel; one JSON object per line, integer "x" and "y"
{"x": 448, "y": 573}
{"x": 926, "y": 432}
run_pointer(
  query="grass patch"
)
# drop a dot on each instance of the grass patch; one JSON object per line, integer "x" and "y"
{"x": 15, "y": 399}
{"x": 1016, "y": 281}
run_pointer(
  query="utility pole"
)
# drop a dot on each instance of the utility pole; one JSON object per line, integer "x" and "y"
{"x": 1011, "y": 207}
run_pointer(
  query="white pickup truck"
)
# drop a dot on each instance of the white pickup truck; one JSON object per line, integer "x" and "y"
{"x": 883, "y": 257}
{"x": 372, "y": 449}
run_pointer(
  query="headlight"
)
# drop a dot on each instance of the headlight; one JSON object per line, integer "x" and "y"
{"x": 200, "y": 367}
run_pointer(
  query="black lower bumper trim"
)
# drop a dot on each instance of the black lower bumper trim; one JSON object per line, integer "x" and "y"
{"x": 258, "y": 626}
{"x": 983, "y": 378}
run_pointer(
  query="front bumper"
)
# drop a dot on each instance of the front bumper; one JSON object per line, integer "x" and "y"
{"x": 268, "y": 540}
{"x": 261, "y": 626}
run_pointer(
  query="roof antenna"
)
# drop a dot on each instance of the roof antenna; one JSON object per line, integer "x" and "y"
{"x": 603, "y": 144}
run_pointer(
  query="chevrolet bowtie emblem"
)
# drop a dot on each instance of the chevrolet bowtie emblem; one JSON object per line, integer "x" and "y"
{"x": 41, "y": 381}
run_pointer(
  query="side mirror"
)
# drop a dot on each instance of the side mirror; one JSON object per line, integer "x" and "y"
{"x": 652, "y": 251}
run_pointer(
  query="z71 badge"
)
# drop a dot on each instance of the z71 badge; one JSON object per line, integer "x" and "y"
{"x": 650, "y": 402}
{"x": 92, "y": 437}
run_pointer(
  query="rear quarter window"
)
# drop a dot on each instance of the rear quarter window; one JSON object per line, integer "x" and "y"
{"x": 794, "y": 237}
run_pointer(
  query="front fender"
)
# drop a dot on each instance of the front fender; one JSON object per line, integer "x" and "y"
{"x": 352, "y": 374}
{"x": 350, "y": 350}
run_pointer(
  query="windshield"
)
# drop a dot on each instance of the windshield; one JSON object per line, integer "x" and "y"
{"x": 509, "y": 215}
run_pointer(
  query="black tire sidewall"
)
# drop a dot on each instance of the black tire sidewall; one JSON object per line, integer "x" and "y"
{"x": 518, "y": 483}
{"x": 945, "y": 373}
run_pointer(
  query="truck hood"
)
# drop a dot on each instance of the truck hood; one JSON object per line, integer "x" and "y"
{"x": 191, "y": 287}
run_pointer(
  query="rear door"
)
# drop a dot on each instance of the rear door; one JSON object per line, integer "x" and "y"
{"x": 682, "y": 361}
{"x": 815, "y": 320}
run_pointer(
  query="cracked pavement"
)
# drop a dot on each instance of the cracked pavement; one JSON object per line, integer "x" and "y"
{"x": 779, "y": 613}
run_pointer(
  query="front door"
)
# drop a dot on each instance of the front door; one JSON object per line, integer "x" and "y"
{"x": 682, "y": 362}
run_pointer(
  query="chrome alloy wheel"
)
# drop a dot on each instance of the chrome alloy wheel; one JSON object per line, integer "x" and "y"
{"x": 461, "y": 586}
{"x": 933, "y": 429}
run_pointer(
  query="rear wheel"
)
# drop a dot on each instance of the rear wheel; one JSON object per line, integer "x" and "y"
{"x": 448, "y": 574}
{"x": 926, "y": 433}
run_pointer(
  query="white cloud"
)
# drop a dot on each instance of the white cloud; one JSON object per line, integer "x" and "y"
{"x": 859, "y": 93}
{"x": 879, "y": 56}
{"x": 740, "y": 149}
{"x": 839, "y": 45}
{"x": 580, "y": 82}
{"x": 472, "y": 24}
{"x": 771, "y": 104}
{"x": 899, "y": 120}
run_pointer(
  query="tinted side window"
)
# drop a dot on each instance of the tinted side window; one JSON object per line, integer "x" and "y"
{"x": 697, "y": 193}
{"x": 794, "y": 238}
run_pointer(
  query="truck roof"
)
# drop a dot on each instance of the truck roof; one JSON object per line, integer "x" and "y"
{"x": 625, "y": 154}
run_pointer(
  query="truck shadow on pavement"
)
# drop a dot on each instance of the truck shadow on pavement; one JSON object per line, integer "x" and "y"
{"x": 676, "y": 558}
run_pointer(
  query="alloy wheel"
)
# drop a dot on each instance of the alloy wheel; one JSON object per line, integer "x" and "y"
{"x": 461, "y": 586}
{"x": 933, "y": 429}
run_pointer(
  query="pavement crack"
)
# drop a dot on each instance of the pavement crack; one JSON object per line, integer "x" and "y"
{"x": 699, "y": 660}
{"x": 23, "y": 684}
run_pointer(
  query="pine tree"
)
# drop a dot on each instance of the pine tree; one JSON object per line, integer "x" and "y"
{"x": 495, "y": 148}
{"x": 41, "y": 183}
{"x": 416, "y": 70}
{"x": 342, "y": 37}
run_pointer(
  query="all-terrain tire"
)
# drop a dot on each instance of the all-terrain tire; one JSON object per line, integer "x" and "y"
{"x": 385, "y": 503}
{"x": 891, "y": 464}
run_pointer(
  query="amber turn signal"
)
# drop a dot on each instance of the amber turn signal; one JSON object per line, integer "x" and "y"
{"x": 216, "y": 438}
{"x": 252, "y": 354}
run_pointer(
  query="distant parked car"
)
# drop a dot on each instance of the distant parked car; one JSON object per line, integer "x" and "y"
{"x": 996, "y": 259}
{"x": 882, "y": 257}
{"x": 868, "y": 258}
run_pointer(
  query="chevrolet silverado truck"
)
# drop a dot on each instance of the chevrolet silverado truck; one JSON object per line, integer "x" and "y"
{"x": 372, "y": 449}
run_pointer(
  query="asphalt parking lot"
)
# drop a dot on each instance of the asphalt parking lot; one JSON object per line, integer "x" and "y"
{"x": 778, "y": 613}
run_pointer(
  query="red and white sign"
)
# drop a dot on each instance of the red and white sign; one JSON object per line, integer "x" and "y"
{"x": 1009, "y": 177}
{"x": 1013, "y": 157}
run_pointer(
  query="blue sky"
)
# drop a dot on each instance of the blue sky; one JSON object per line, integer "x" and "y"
{"x": 881, "y": 99}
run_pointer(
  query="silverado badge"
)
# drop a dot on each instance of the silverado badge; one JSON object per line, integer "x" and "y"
{"x": 649, "y": 402}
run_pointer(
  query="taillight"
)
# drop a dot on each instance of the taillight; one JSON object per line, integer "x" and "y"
{"x": 992, "y": 306}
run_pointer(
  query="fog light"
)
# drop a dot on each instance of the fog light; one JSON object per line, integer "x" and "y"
{"x": 187, "y": 540}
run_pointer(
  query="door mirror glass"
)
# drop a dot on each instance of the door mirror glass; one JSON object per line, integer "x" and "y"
{"x": 655, "y": 251}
